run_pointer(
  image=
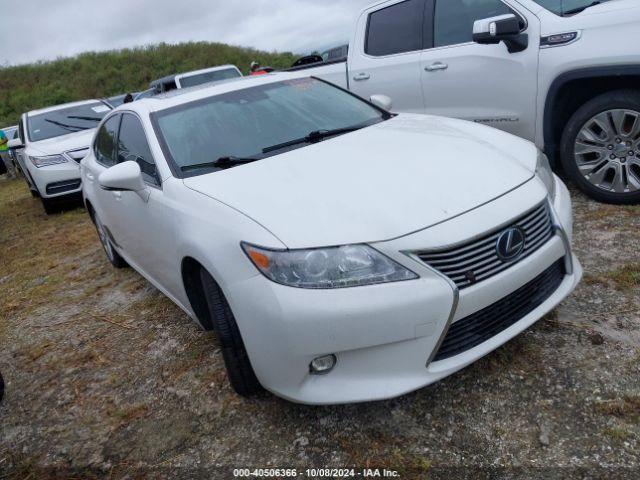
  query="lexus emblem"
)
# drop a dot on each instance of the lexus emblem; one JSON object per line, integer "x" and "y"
{"x": 510, "y": 244}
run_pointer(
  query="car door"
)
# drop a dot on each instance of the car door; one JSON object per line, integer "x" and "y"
{"x": 104, "y": 156}
{"x": 481, "y": 83}
{"x": 387, "y": 58}
{"x": 142, "y": 226}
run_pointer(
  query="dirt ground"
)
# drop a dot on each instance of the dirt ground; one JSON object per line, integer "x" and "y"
{"x": 106, "y": 378}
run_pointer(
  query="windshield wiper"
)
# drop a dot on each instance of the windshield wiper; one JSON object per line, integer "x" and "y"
{"x": 222, "y": 162}
{"x": 573, "y": 11}
{"x": 71, "y": 128}
{"x": 312, "y": 137}
{"x": 80, "y": 117}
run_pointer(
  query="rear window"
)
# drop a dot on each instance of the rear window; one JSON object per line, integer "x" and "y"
{"x": 207, "y": 77}
{"x": 396, "y": 29}
{"x": 65, "y": 121}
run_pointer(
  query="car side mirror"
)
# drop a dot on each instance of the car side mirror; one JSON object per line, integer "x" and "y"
{"x": 381, "y": 101}
{"x": 503, "y": 28}
{"x": 124, "y": 177}
{"x": 15, "y": 144}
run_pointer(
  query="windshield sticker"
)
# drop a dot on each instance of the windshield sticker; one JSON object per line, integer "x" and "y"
{"x": 100, "y": 109}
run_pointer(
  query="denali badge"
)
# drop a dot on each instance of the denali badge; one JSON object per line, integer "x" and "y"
{"x": 510, "y": 244}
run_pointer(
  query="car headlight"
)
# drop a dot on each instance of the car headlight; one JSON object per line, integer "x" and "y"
{"x": 48, "y": 160}
{"x": 334, "y": 267}
{"x": 544, "y": 172}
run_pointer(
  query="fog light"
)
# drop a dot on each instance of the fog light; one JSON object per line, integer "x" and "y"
{"x": 322, "y": 365}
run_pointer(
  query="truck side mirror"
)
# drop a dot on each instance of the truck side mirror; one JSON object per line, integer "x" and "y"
{"x": 503, "y": 28}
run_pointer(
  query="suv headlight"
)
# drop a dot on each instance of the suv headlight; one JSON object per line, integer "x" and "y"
{"x": 48, "y": 160}
{"x": 544, "y": 172}
{"x": 334, "y": 267}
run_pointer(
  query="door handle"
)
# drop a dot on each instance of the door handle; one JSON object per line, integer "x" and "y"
{"x": 89, "y": 176}
{"x": 434, "y": 67}
{"x": 362, "y": 76}
{"x": 117, "y": 195}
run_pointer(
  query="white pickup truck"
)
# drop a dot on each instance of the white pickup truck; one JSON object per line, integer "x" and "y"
{"x": 562, "y": 73}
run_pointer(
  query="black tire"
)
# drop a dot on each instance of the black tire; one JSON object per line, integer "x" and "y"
{"x": 50, "y": 207}
{"x": 34, "y": 194}
{"x": 619, "y": 99}
{"x": 112, "y": 255}
{"x": 239, "y": 370}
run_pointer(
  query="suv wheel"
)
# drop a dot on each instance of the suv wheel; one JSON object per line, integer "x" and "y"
{"x": 241, "y": 375}
{"x": 114, "y": 257}
{"x": 50, "y": 207}
{"x": 600, "y": 148}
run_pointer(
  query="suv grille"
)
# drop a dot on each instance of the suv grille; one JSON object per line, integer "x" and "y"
{"x": 470, "y": 263}
{"x": 479, "y": 327}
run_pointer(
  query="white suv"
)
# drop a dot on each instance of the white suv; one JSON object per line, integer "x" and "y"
{"x": 54, "y": 140}
{"x": 335, "y": 248}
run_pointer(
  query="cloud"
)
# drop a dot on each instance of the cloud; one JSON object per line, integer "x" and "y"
{"x": 45, "y": 29}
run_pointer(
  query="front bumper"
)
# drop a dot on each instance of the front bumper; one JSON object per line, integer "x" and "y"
{"x": 56, "y": 181}
{"x": 385, "y": 336}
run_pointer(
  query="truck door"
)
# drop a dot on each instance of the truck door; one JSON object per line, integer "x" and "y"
{"x": 481, "y": 83}
{"x": 385, "y": 57}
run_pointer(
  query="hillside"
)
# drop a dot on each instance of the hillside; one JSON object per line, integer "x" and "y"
{"x": 90, "y": 75}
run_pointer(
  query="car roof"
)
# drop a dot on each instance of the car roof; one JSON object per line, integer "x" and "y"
{"x": 186, "y": 95}
{"x": 172, "y": 77}
{"x": 61, "y": 107}
{"x": 207, "y": 70}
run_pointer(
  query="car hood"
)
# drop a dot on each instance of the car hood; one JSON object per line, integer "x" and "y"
{"x": 58, "y": 145}
{"x": 378, "y": 183}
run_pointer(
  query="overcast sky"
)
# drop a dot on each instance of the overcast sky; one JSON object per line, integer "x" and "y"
{"x": 33, "y": 30}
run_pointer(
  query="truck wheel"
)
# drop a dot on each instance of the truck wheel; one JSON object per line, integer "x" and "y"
{"x": 114, "y": 257}
{"x": 241, "y": 375}
{"x": 600, "y": 148}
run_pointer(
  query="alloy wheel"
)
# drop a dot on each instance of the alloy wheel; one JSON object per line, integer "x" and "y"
{"x": 104, "y": 240}
{"x": 607, "y": 151}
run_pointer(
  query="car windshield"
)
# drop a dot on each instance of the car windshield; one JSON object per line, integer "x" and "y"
{"x": 562, "y": 7}
{"x": 206, "y": 77}
{"x": 65, "y": 121}
{"x": 260, "y": 121}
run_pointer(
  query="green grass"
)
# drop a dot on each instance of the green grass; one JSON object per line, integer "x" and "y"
{"x": 94, "y": 75}
{"x": 626, "y": 277}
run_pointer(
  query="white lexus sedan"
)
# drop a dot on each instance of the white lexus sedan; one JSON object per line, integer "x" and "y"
{"x": 340, "y": 252}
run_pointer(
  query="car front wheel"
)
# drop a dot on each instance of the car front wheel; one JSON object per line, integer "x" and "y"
{"x": 600, "y": 148}
{"x": 241, "y": 375}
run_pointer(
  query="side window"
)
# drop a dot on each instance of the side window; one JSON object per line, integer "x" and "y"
{"x": 105, "y": 146}
{"x": 396, "y": 29}
{"x": 133, "y": 146}
{"x": 453, "y": 22}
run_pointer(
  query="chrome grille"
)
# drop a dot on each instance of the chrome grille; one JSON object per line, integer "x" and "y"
{"x": 472, "y": 262}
